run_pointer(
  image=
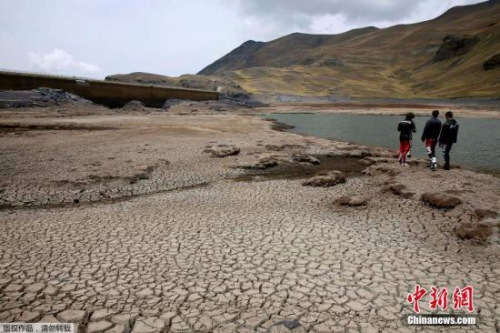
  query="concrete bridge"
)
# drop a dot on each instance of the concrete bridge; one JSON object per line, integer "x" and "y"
{"x": 113, "y": 94}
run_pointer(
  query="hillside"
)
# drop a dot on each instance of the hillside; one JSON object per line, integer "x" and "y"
{"x": 205, "y": 82}
{"x": 441, "y": 58}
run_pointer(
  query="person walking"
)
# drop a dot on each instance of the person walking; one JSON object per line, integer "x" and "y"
{"x": 448, "y": 136}
{"x": 406, "y": 129}
{"x": 430, "y": 137}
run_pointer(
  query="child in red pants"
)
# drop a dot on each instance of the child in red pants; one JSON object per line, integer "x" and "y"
{"x": 406, "y": 128}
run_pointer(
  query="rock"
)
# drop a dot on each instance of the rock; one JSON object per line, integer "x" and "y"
{"x": 223, "y": 151}
{"x": 273, "y": 147}
{"x": 354, "y": 201}
{"x": 285, "y": 326}
{"x": 397, "y": 189}
{"x": 475, "y": 231}
{"x": 38, "y": 97}
{"x": 134, "y": 106}
{"x": 355, "y": 153}
{"x": 375, "y": 159}
{"x": 305, "y": 159}
{"x": 379, "y": 169}
{"x": 240, "y": 99}
{"x": 330, "y": 179}
{"x": 264, "y": 163}
{"x": 492, "y": 62}
{"x": 283, "y": 147}
{"x": 485, "y": 213}
{"x": 171, "y": 102}
{"x": 71, "y": 316}
{"x": 440, "y": 200}
{"x": 454, "y": 46}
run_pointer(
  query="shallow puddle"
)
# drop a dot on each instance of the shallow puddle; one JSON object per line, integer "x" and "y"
{"x": 351, "y": 166}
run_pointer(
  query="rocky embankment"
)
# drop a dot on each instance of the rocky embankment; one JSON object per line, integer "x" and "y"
{"x": 40, "y": 97}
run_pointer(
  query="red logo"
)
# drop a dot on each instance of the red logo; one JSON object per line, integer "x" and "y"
{"x": 416, "y": 297}
{"x": 462, "y": 298}
{"x": 439, "y": 298}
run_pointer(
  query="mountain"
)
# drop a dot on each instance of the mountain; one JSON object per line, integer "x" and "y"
{"x": 454, "y": 55}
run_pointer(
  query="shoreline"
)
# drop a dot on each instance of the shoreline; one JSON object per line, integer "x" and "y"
{"x": 283, "y": 127}
{"x": 376, "y": 109}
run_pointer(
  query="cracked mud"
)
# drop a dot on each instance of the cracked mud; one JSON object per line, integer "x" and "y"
{"x": 204, "y": 253}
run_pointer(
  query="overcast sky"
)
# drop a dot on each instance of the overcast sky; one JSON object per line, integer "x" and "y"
{"x": 96, "y": 38}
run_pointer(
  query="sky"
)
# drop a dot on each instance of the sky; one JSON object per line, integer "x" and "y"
{"x": 95, "y": 38}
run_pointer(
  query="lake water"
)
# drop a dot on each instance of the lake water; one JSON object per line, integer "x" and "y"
{"x": 478, "y": 143}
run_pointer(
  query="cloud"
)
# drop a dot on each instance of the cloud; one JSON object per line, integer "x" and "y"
{"x": 334, "y": 16}
{"x": 59, "y": 61}
{"x": 174, "y": 37}
{"x": 352, "y": 9}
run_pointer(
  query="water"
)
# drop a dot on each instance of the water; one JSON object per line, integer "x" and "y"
{"x": 477, "y": 146}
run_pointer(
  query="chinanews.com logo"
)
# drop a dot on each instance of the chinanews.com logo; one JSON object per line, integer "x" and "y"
{"x": 462, "y": 299}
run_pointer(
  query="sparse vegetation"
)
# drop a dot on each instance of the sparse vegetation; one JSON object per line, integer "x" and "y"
{"x": 395, "y": 62}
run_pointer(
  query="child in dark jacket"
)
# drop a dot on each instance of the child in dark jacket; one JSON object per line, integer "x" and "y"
{"x": 430, "y": 137}
{"x": 406, "y": 129}
{"x": 448, "y": 137}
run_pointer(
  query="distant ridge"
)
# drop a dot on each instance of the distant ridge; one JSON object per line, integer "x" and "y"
{"x": 398, "y": 61}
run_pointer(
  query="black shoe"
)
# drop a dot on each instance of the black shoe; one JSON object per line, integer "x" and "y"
{"x": 447, "y": 167}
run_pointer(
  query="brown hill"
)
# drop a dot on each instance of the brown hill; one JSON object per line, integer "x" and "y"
{"x": 441, "y": 58}
{"x": 205, "y": 82}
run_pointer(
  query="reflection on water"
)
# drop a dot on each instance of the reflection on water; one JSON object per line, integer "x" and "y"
{"x": 477, "y": 146}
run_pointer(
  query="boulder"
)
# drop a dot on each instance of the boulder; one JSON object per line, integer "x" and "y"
{"x": 305, "y": 159}
{"x": 38, "y": 97}
{"x": 454, "y": 46}
{"x": 492, "y": 63}
{"x": 397, "y": 189}
{"x": 263, "y": 163}
{"x": 379, "y": 169}
{"x": 440, "y": 200}
{"x": 476, "y": 231}
{"x": 330, "y": 179}
{"x": 239, "y": 98}
{"x": 223, "y": 151}
{"x": 354, "y": 201}
{"x": 171, "y": 102}
{"x": 134, "y": 106}
{"x": 283, "y": 147}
